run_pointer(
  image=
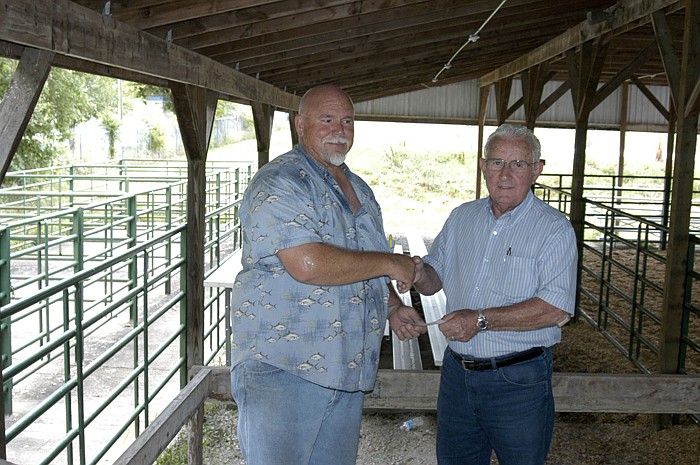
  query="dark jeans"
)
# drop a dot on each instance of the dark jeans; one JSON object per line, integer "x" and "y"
{"x": 509, "y": 410}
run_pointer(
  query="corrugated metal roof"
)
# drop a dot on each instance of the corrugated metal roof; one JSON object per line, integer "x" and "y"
{"x": 459, "y": 103}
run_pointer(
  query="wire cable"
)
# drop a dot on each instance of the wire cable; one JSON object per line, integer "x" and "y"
{"x": 472, "y": 38}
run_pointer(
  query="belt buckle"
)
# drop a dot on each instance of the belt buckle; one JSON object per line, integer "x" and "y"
{"x": 473, "y": 365}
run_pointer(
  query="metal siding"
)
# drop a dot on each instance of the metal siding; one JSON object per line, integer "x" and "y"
{"x": 607, "y": 113}
{"x": 461, "y": 102}
{"x": 456, "y": 101}
{"x": 642, "y": 111}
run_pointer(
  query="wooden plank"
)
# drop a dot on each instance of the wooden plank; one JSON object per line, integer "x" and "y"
{"x": 669, "y": 58}
{"x": 225, "y": 276}
{"x": 651, "y": 97}
{"x": 406, "y": 354}
{"x": 433, "y": 305}
{"x": 69, "y": 29}
{"x": 148, "y": 446}
{"x": 225, "y": 273}
{"x": 625, "y": 12}
{"x": 147, "y": 15}
{"x": 219, "y": 381}
{"x": 626, "y": 393}
{"x": 573, "y": 392}
{"x": 404, "y": 390}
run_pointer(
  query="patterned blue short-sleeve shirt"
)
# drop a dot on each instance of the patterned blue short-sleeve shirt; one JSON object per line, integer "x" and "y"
{"x": 329, "y": 335}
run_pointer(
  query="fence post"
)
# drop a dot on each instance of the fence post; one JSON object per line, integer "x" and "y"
{"x": 168, "y": 226}
{"x": 132, "y": 231}
{"x": 5, "y": 331}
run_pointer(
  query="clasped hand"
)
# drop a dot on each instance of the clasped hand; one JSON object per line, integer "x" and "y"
{"x": 404, "y": 272}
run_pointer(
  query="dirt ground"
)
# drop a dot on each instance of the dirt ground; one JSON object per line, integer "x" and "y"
{"x": 579, "y": 438}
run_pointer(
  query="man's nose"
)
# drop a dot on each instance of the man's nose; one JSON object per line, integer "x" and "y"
{"x": 337, "y": 127}
{"x": 506, "y": 167}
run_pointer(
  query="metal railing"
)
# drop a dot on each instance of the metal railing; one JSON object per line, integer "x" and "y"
{"x": 623, "y": 271}
{"x": 93, "y": 308}
{"x": 642, "y": 196}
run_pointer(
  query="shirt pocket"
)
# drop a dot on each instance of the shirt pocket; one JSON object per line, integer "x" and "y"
{"x": 514, "y": 279}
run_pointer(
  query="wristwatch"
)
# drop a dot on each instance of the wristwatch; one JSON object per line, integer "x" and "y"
{"x": 481, "y": 322}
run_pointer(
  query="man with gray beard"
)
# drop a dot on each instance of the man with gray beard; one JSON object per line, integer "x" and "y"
{"x": 311, "y": 302}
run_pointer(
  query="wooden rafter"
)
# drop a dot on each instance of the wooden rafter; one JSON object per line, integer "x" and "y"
{"x": 651, "y": 97}
{"x": 625, "y": 12}
{"x": 78, "y": 32}
{"x": 622, "y": 76}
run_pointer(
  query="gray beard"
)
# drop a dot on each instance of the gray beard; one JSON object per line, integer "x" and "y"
{"x": 336, "y": 159}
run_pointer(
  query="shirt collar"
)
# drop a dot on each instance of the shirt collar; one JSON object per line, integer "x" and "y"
{"x": 518, "y": 212}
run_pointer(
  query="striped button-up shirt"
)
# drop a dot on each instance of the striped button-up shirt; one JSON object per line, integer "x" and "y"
{"x": 487, "y": 262}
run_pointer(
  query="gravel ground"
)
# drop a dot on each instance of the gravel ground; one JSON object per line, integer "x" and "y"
{"x": 579, "y": 438}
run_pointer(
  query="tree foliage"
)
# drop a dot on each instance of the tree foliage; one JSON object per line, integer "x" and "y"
{"x": 68, "y": 99}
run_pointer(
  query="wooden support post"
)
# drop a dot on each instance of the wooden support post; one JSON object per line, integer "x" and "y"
{"x": 483, "y": 101}
{"x": 195, "y": 108}
{"x": 683, "y": 76}
{"x": 293, "y": 128}
{"x": 584, "y": 74}
{"x": 502, "y": 96}
{"x": 263, "y": 116}
{"x": 668, "y": 170}
{"x": 19, "y": 101}
{"x": 623, "y": 133}
{"x": 533, "y": 82}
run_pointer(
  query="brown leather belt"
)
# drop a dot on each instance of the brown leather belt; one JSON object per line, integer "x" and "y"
{"x": 488, "y": 364}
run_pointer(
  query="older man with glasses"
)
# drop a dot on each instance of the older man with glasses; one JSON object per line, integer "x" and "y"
{"x": 507, "y": 264}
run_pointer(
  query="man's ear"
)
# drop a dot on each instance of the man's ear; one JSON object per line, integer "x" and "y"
{"x": 299, "y": 124}
{"x": 538, "y": 171}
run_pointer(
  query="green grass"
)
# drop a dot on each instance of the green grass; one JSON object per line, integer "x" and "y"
{"x": 216, "y": 437}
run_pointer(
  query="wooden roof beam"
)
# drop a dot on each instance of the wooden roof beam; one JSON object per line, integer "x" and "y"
{"x": 622, "y": 14}
{"x": 17, "y": 106}
{"x": 68, "y": 29}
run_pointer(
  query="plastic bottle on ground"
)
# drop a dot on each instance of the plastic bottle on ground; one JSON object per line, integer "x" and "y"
{"x": 408, "y": 425}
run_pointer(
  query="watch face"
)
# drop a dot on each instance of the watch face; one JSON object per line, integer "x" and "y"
{"x": 481, "y": 323}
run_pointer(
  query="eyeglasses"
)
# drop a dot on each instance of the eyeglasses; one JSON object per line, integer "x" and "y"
{"x": 518, "y": 166}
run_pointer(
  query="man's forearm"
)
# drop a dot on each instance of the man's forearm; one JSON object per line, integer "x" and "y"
{"x": 327, "y": 265}
{"x": 531, "y": 314}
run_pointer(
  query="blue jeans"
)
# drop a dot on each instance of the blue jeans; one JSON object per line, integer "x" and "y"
{"x": 509, "y": 410}
{"x": 286, "y": 420}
